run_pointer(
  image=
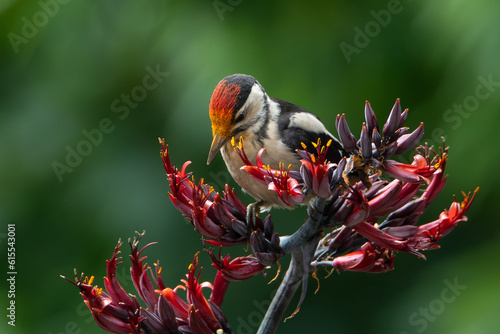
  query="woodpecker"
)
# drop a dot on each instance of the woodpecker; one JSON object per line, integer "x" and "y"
{"x": 240, "y": 107}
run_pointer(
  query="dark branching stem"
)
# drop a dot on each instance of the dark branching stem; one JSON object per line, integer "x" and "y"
{"x": 283, "y": 296}
{"x": 295, "y": 273}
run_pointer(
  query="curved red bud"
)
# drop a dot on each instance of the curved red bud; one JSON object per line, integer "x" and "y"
{"x": 346, "y": 137}
{"x": 393, "y": 121}
{"x": 409, "y": 141}
{"x": 371, "y": 119}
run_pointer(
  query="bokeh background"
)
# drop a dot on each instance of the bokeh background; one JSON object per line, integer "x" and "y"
{"x": 69, "y": 67}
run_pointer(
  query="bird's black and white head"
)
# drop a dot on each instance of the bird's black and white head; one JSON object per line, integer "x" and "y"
{"x": 235, "y": 103}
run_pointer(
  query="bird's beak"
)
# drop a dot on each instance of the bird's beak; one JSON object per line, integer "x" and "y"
{"x": 217, "y": 144}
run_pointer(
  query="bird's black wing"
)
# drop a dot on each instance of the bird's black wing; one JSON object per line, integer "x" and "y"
{"x": 297, "y": 126}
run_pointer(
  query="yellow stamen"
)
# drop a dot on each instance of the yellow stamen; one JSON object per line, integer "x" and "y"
{"x": 329, "y": 143}
{"x": 90, "y": 280}
{"x": 277, "y": 273}
{"x": 315, "y": 276}
{"x": 304, "y": 146}
{"x": 99, "y": 292}
{"x": 329, "y": 273}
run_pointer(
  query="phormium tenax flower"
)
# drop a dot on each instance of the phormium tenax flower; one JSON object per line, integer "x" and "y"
{"x": 221, "y": 220}
{"x": 316, "y": 171}
{"x": 238, "y": 269}
{"x": 117, "y": 311}
{"x": 279, "y": 180}
{"x": 369, "y": 198}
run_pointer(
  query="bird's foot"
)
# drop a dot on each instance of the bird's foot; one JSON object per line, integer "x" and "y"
{"x": 253, "y": 210}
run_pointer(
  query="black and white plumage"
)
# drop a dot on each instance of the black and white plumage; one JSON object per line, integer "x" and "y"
{"x": 240, "y": 107}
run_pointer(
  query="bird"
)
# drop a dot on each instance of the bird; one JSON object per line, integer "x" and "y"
{"x": 240, "y": 108}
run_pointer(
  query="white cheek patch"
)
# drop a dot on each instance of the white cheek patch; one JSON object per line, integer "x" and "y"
{"x": 253, "y": 104}
{"x": 308, "y": 122}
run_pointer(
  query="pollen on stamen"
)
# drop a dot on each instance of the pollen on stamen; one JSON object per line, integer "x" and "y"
{"x": 304, "y": 146}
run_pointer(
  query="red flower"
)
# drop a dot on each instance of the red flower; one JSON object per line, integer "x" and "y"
{"x": 196, "y": 312}
{"x": 221, "y": 220}
{"x": 286, "y": 187}
{"x": 316, "y": 171}
{"x": 116, "y": 311}
{"x": 427, "y": 235}
{"x": 368, "y": 259}
{"x": 238, "y": 269}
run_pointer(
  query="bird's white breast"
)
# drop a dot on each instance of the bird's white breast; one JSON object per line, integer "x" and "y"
{"x": 262, "y": 133}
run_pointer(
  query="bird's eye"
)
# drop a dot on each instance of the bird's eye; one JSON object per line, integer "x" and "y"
{"x": 239, "y": 118}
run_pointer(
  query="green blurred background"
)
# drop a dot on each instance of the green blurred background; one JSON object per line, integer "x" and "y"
{"x": 67, "y": 67}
